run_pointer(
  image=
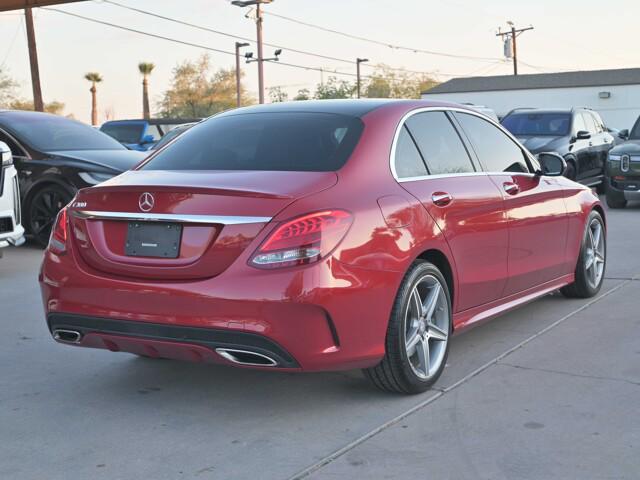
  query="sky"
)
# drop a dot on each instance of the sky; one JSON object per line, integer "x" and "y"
{"x": 568, "y": 35}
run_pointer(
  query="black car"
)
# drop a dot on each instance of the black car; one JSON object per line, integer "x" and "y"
{"x": 578, "y": 134}
{"x": 56, "y": 156}
{"x": 623, "y": 170}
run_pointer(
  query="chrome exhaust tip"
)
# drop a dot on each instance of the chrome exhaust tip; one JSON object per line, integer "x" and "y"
{"x": 244, "y": 357}
{"x": 67, "y": 336}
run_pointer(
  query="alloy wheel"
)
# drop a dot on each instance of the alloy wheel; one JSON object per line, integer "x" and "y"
{"x": 595, "y": 254}
{"x": 427, "y": 327}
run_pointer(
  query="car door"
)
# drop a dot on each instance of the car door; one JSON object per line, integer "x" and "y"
{"x": 534, "y": 204}
{"x": 21, "y": 159}
{"x": 602, "y": 143}
{"x": 433, "y": 164}
{"x": 581, "y": 148}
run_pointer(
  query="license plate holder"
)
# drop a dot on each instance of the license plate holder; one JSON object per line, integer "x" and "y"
{"x": 153, "y": 239}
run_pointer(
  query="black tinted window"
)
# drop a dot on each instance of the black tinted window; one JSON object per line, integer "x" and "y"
{"x": 538, "y": 124}
{"x": 263, "y": 141}
{"x": 496, "y": 151}
{"x": 439, "y": 143}
{"x": 50, "y": 133}
{"x": 408, "y": 160}
{"x": 123, "y": 132}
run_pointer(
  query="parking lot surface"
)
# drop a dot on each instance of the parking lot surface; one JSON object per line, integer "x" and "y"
{"x": 551, "y": 390}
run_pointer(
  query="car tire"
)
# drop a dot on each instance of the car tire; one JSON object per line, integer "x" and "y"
{"x": 592, "y": 260}
{"x": 42, "y": 209}
{"x": 421, "y": 315}
{"x": 615, "y": 199}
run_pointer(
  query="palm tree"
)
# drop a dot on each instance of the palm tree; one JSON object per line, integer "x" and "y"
{"x": 145, "y": 69}
{"x": 94, "y": 78}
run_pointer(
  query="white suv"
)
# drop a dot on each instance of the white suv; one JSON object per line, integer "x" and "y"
{"x": 11, "y": 231}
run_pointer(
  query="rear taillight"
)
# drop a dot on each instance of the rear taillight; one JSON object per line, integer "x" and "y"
{"x": 59, "y": 233}
{"x": 303, "y": 240}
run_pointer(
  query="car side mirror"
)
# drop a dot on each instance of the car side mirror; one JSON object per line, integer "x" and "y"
{"x": 6, "y": 155}
{"x": 553, "y": 164}
{"x": 583, "y": 135}
{"x": 148, "y": 139}
{"x": 624, "y": 134}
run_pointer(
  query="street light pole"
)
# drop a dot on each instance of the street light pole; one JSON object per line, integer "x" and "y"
{"x": 358, "y": 62}
{"x": 260, "y": 59}
{"x": 239, "y": 45}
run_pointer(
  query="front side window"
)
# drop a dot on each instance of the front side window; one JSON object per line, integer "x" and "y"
{"x": 287, "y": 141}
{"x": 579, "y": 125}
{"x": 439, "y": 143}
{"x": 408, "y": 161}
{"x": 590, "y": 123}
{"x": 496, "y": 151}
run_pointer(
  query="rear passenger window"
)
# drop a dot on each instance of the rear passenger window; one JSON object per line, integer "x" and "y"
{"x": 496, "y": 151}
{"x": 408, "y": 161}
{"x": 439, "y": 143}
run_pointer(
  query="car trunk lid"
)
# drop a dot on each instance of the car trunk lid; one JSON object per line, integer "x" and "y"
{"x": 210, "y": 217}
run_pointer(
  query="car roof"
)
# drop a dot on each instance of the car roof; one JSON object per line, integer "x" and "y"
{"x": 350, "y": 107}
{"x": 153, "y": 121}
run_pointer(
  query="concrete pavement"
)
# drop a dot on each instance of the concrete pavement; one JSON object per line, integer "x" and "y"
{"x": 549, "y": 391}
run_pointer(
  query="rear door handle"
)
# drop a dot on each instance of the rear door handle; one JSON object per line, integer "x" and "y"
{"x": 441, "y": 199}
{"x": 511, "y": 188}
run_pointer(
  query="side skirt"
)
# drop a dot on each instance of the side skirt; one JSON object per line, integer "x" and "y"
{"x": 477, "y": 315}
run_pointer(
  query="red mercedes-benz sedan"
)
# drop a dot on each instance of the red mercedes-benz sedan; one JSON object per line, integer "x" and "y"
{"x": 325, "y": 235}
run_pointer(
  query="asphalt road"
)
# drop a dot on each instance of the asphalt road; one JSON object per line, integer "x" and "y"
{"x": 551, "y": 391}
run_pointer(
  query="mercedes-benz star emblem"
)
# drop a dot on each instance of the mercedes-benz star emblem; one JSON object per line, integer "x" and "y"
{"x": 146, "y": 202}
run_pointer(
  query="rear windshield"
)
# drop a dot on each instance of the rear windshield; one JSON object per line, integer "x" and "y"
{"x": 538, "y": 124}
{"x": 304, "y": 142}
{"x": 124, "y": 133}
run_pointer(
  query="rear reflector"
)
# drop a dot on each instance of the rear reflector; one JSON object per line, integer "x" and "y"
{"x": 303, "y": 240}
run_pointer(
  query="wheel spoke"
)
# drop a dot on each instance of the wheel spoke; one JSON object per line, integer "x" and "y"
{"x": 589, "y": 262}
{"x": 437, "y": 333}
{"x": 417, "y": 301}
{"x": 423, "y": 356}
{"x": 591, "y": 239}
{"x": 431, "y": 301}
{"x": 596, "y": 237}
{"x": 412, "y": 343}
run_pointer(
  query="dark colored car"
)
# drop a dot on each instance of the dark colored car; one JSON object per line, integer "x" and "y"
{"x": 140, "y": 134}
{"x": 171, "y": 134}
{"x": 623, "y": 170}
{"x": 578, "y": 134}
{"x": 326, "y": 235}
{"x": 55, "y": 157}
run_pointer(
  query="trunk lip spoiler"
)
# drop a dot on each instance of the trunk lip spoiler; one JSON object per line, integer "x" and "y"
{"x": 169, "y": 217}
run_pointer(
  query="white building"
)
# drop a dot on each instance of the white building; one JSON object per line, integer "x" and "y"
{"x": 615, "y": 94}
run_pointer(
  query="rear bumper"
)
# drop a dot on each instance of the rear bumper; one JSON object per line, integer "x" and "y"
{"x": 321, "y": 317}
{"x": 168, "y": 341}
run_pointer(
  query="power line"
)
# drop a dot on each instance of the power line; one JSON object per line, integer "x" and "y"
{"x": 384, "y": 44}
{"x": 238, "y": 37}
{"x": 183, "y": 42}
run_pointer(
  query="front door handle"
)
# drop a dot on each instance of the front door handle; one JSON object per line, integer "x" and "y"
{"x": 511, "y": 188}
{"x": 441, "y": 199}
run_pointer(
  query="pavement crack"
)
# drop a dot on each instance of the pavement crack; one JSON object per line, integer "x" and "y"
{"x": 323, "y": 462}
{"x": 571, "y": 374}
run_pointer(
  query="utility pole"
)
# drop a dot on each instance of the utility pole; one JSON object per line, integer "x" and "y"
{"x": 358, "y": 62}
{"x": 239, "y": 45}
{"x": 260, "y": 59}
{"x": 511, "y": 35}
{"x": 38, "y": 104}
